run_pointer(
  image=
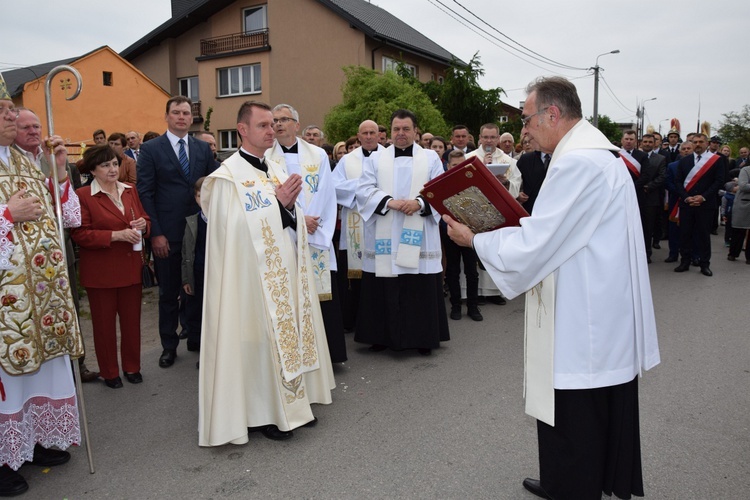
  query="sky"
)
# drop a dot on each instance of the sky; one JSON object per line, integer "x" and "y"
{"x": 686, "y": 54}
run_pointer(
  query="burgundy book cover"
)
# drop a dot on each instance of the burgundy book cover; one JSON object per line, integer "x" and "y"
{"x": 472, "y": 195}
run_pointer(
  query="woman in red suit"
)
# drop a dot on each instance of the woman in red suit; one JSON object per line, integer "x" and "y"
{"x": 112, "y": 222}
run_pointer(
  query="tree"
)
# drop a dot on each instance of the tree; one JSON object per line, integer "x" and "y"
{"x": 367, "y": 94}
{"x": 462, "y": 100}
{"x": 608, "y": 128}
{"x": 735, "y": 128}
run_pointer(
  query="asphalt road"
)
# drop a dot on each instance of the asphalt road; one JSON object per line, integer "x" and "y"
{"x": 450, "y": 425}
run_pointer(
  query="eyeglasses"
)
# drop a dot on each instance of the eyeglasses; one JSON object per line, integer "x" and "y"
{"x": 10, "y": 111}
{"x": 283, "y": 119}
{"x": 525, "y": 119}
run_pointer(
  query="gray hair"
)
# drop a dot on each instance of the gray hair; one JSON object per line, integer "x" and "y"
{"x": 559, "y": 92}
{"x": 310, "y": 127}
{"x": 293, "y": 111}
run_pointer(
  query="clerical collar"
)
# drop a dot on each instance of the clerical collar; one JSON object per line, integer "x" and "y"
{"x": 367, "y": 153}
{"x": 254, "y": 160}
{"x": 292, "y": 149}
{"x": 404, "y": 152}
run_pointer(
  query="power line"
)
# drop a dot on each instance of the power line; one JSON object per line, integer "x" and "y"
{"x": 612, "y": 94}
{"x": 550, "y": 61}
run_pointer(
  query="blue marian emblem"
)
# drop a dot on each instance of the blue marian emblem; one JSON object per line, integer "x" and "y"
{"x": 312, "y": 180}
{"x": 411, "y": 237}
{"x": 256, "y": 201}
{"x": 382, "y": 247}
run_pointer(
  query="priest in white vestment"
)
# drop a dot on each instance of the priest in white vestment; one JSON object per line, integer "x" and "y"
{"x": 590, "y": 327}
{"x": 264, "y": 357}
{"x": 401, "y": 303}
{"x": 38, "y": 322}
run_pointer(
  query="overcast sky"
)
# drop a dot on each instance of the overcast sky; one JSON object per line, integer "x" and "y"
{"x": 682, "y": 52}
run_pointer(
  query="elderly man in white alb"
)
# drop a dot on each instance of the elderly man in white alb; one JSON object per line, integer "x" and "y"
{"x": 590, "y": 327}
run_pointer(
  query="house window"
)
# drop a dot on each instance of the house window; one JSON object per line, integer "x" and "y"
{"x": 228, "y": 139}
{"x": 255, "y": 18}
{"x": 239, "y": 80}
{"x": 504, "y": 119}
{"x": 390, "y": 64}
{"x": 107, "y": 78}
{"x": 189, "y": 88}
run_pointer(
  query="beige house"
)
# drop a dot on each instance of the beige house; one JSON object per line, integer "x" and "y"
{"x": 221, "y": 53}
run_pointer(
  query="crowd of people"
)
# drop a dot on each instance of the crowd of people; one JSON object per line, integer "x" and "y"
{"x": 269, "y": 257}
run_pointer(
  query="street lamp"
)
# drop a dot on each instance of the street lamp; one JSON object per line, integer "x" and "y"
{"x": 640, "y": 114}
{"x": 596, "y": 85}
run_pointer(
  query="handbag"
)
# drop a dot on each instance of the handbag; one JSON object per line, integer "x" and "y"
{"x": 148, "y": 277}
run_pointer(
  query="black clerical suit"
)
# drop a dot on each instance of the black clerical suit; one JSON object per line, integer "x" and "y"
{"x": 533, "y": 167}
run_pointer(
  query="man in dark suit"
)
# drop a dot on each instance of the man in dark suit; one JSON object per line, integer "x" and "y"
{"x": 699, "y": 177}
{"x": 649, "y": 188}
{"x": 168, "y": 167}
{"x": 134, "y": 144}
{"x": 459, "y": 140}
{"x": 533, "y": 167}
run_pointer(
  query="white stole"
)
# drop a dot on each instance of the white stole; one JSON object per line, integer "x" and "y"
{"x": 539, "y": 324}
{"x": 291, "y": 317}
{"x": 412, "y": 232}
{"x": 354, "y": 224}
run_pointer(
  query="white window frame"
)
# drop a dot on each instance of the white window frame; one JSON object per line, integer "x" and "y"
{"x": 237, "y": 72}
{"x": 504, "y": 119}
{"x": 190, "y": 82}
{"x": 390, "y": 64}
{"x": 229, "y": 140}
{"x": 260, "y": 8}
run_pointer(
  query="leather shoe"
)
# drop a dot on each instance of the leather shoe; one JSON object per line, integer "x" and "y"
{"x": 194, "y": 346}
{"x": 475, "y": 314}
{"x": 695, "y": 263}
{"x": 706, "y": 271}
{"x": 684, "y": 266}
{"x": 113, "y": 383}
{"x": 87, "y": 375}
{"x": 456, "y": 312}
{"x": 272, "y": 432}
{"x": 497, "y": 299}
{"x": 648, "y": 259}
{"x": 377, "y": 347}
{"x": 48, "y": 457}
{"x": 656, "y": 245}
{"x": 424, "y": 352}
{"x": 731, "y": 257}
{"x": 167, "y": 358}
{"x": 312, "y": 423}
{"x": 11, "y": 482}
{"x": 671, "y": 259}
{"x": 133, "y": 378}
{"x": 535, "y": 487}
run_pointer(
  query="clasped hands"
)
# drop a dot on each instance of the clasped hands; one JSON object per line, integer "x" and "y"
{"x": 407, "y": 207}
{"x": 695, "y": 201}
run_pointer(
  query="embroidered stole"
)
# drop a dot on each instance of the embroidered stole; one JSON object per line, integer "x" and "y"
{"x": 696, "y": 173}
{"x": 288, "y": 304}
{"x": 539, "y": 321}
{"x": 412, "y": 232}
{"x": 37, "y": 314}
{"x": 309, "y": 164}
{"x": 633, "y": 165}
{"x": 354, "y": 225}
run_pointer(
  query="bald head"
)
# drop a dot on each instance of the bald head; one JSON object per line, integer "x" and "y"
{"x": 368, "y": 135}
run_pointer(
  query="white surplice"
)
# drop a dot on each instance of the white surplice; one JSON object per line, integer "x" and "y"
{"x": 241, "y": 383}
{"x": 369, "y": 195}
{"x": 584, "y": 231}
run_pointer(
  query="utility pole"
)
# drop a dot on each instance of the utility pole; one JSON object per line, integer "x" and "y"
{"x": 596, "y": 69}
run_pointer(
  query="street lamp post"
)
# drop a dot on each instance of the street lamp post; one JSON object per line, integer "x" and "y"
{"x": 596, "y": 85}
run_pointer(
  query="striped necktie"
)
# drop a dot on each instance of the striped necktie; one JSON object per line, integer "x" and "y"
{"x": 184, "y": 162}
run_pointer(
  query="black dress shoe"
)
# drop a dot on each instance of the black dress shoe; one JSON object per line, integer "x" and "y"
{"x": 456, "y": 312}
{"x": 133, "y": 378}
{"x": 194, "y": 346}
{"x": 648, "y": 259}
{"x": 475, "y": 314}
{"x": 87, "y": 375}
{"x": 497, "y": 299}
{"x": 670, "y": 259}
{"x": 706, "y": 271}
{"x": 312, "y": 423}
{"x": 684, "y": 266}
{"x": 424, "y": 352}
{"x": 731, "y": 257}
{"x": 183, "y": 334}
{"x": 48, "y": 457}
{"x": 167, "y": 358}
{"x": 656, "y": 245}
{"x": 695, "y": 263}
{"x": 113, "y": 383}
{"x": 377, "y": 347}
{"x": 272, "y": 432}
{"x": 11, "y": 482}
{"x": 535, "y": 487}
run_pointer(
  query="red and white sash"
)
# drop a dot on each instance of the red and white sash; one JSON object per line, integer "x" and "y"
{"x": 633, "y": 165}
{"x": 690, "y": 182}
